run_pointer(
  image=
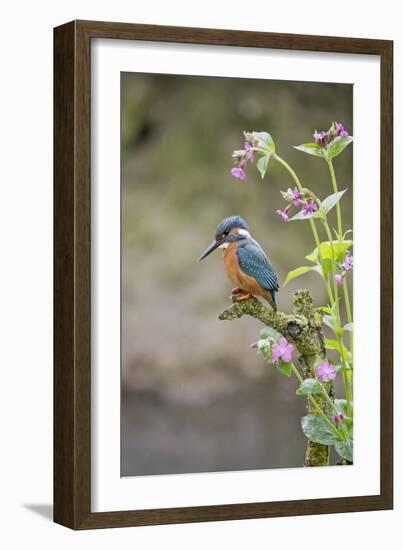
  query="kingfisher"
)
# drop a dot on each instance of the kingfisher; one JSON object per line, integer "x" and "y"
{"x": 245, "y": 261}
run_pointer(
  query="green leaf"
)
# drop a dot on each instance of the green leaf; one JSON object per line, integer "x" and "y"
{"x": 325, "y": 309}
{"x": 313, "y": 257}
{"x": 297, "y": 272}
{"x": 330, "y": 202}
{"x": 322, "y": 269}
{"x": 338, "y": 145}
{"x": 267, "y": 333}
{"x": 265, "y": 139}
{"x": 284, "y": 368}
{"x": 334, "y": 345}
{"x": 311, "y": 149}
{"x": 340, "y": 249}
{"x": 310, "y": 386}
{"x": 345, "y": 449}
{"x": 262, "y": 164}
{"x": 317, "y": 430}
{"x": 331, "y": 322}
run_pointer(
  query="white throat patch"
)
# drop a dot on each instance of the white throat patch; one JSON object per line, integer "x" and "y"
{"x": 224, "y": 246}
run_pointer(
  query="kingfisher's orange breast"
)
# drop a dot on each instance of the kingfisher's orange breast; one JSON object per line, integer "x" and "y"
{"x": 231, "y": 264}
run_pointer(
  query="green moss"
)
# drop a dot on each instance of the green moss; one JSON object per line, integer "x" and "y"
{"x": 316, "y": 454}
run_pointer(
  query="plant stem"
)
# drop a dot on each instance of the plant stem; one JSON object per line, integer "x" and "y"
{"x": 289, "y": 170}
{"x": 345, "y": 288}
{"x": 347, "y": 300}
{"x": 328, "y": 398}
{"x": 349, "y": 317}
{"x": 297, "y": 373}
{"x": 335, "y": 289}
{"x": 329, "y": 291}
{"x": 346, "y": 376}
{"x": 325, "y": 418}
{"x": 349, "y": 393}
{"x": 333, "y": 406}
{"x": 335, "y": 190}
{"x": 340, "y": 230}
{"x": 315, "y": 235}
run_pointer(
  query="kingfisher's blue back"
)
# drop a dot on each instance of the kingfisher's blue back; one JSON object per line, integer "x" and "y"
{"x": 254, "y": 262}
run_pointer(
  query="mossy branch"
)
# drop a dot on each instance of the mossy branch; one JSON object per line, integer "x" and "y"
{"x": 304, "y": 329}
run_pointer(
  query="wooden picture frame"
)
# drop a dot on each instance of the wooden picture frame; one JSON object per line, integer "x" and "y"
{"x": 72, "y": 273}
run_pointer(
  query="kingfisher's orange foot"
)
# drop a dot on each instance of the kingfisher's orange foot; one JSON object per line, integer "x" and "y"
{"x": 244, "y": 297}
{"x": 236, "y": 290}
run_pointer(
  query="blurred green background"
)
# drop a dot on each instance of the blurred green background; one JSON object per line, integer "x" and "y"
{"x": 195, "y": 398}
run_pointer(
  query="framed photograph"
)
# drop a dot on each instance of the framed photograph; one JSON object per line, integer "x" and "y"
{"x": 222, "y": 275}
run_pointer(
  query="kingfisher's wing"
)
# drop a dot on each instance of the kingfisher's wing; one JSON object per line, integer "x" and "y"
{"x": 254, "y": 262}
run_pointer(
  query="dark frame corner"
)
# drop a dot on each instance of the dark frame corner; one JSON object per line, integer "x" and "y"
{"x": 72, "y": 296}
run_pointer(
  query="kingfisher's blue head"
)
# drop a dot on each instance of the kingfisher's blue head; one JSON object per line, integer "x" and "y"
{"x": 231, "y": 228}
{"x": 225, "y": 226}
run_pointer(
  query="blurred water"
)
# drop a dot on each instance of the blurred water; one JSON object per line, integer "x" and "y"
{"x": 245, "y": 430}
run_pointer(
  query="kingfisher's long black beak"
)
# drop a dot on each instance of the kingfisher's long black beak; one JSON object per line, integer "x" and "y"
{"x": 215, "y": 244}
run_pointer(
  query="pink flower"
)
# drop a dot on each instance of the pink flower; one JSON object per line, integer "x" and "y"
{"x": 241, "y": 158}
{"x": 309, "y": 208}
{"x": 339, "y": 417}
{"x": 339, "y": 279}
{"x": 326, "y": 372}
{"x": 341, "y": 131}
{"x": 296, "y": 196}
{"x": 238, "y": 172}
{"x": 321, "y": 138}
{"x": 282, "y": 350}
{"x": 284, "y": 213}
{"x": 249, "y": 151}
{"x": 348, "y": 261}
{"x": 325, "y": 138}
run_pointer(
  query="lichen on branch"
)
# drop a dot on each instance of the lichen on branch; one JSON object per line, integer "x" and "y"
{"x": 303, "y": 327}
